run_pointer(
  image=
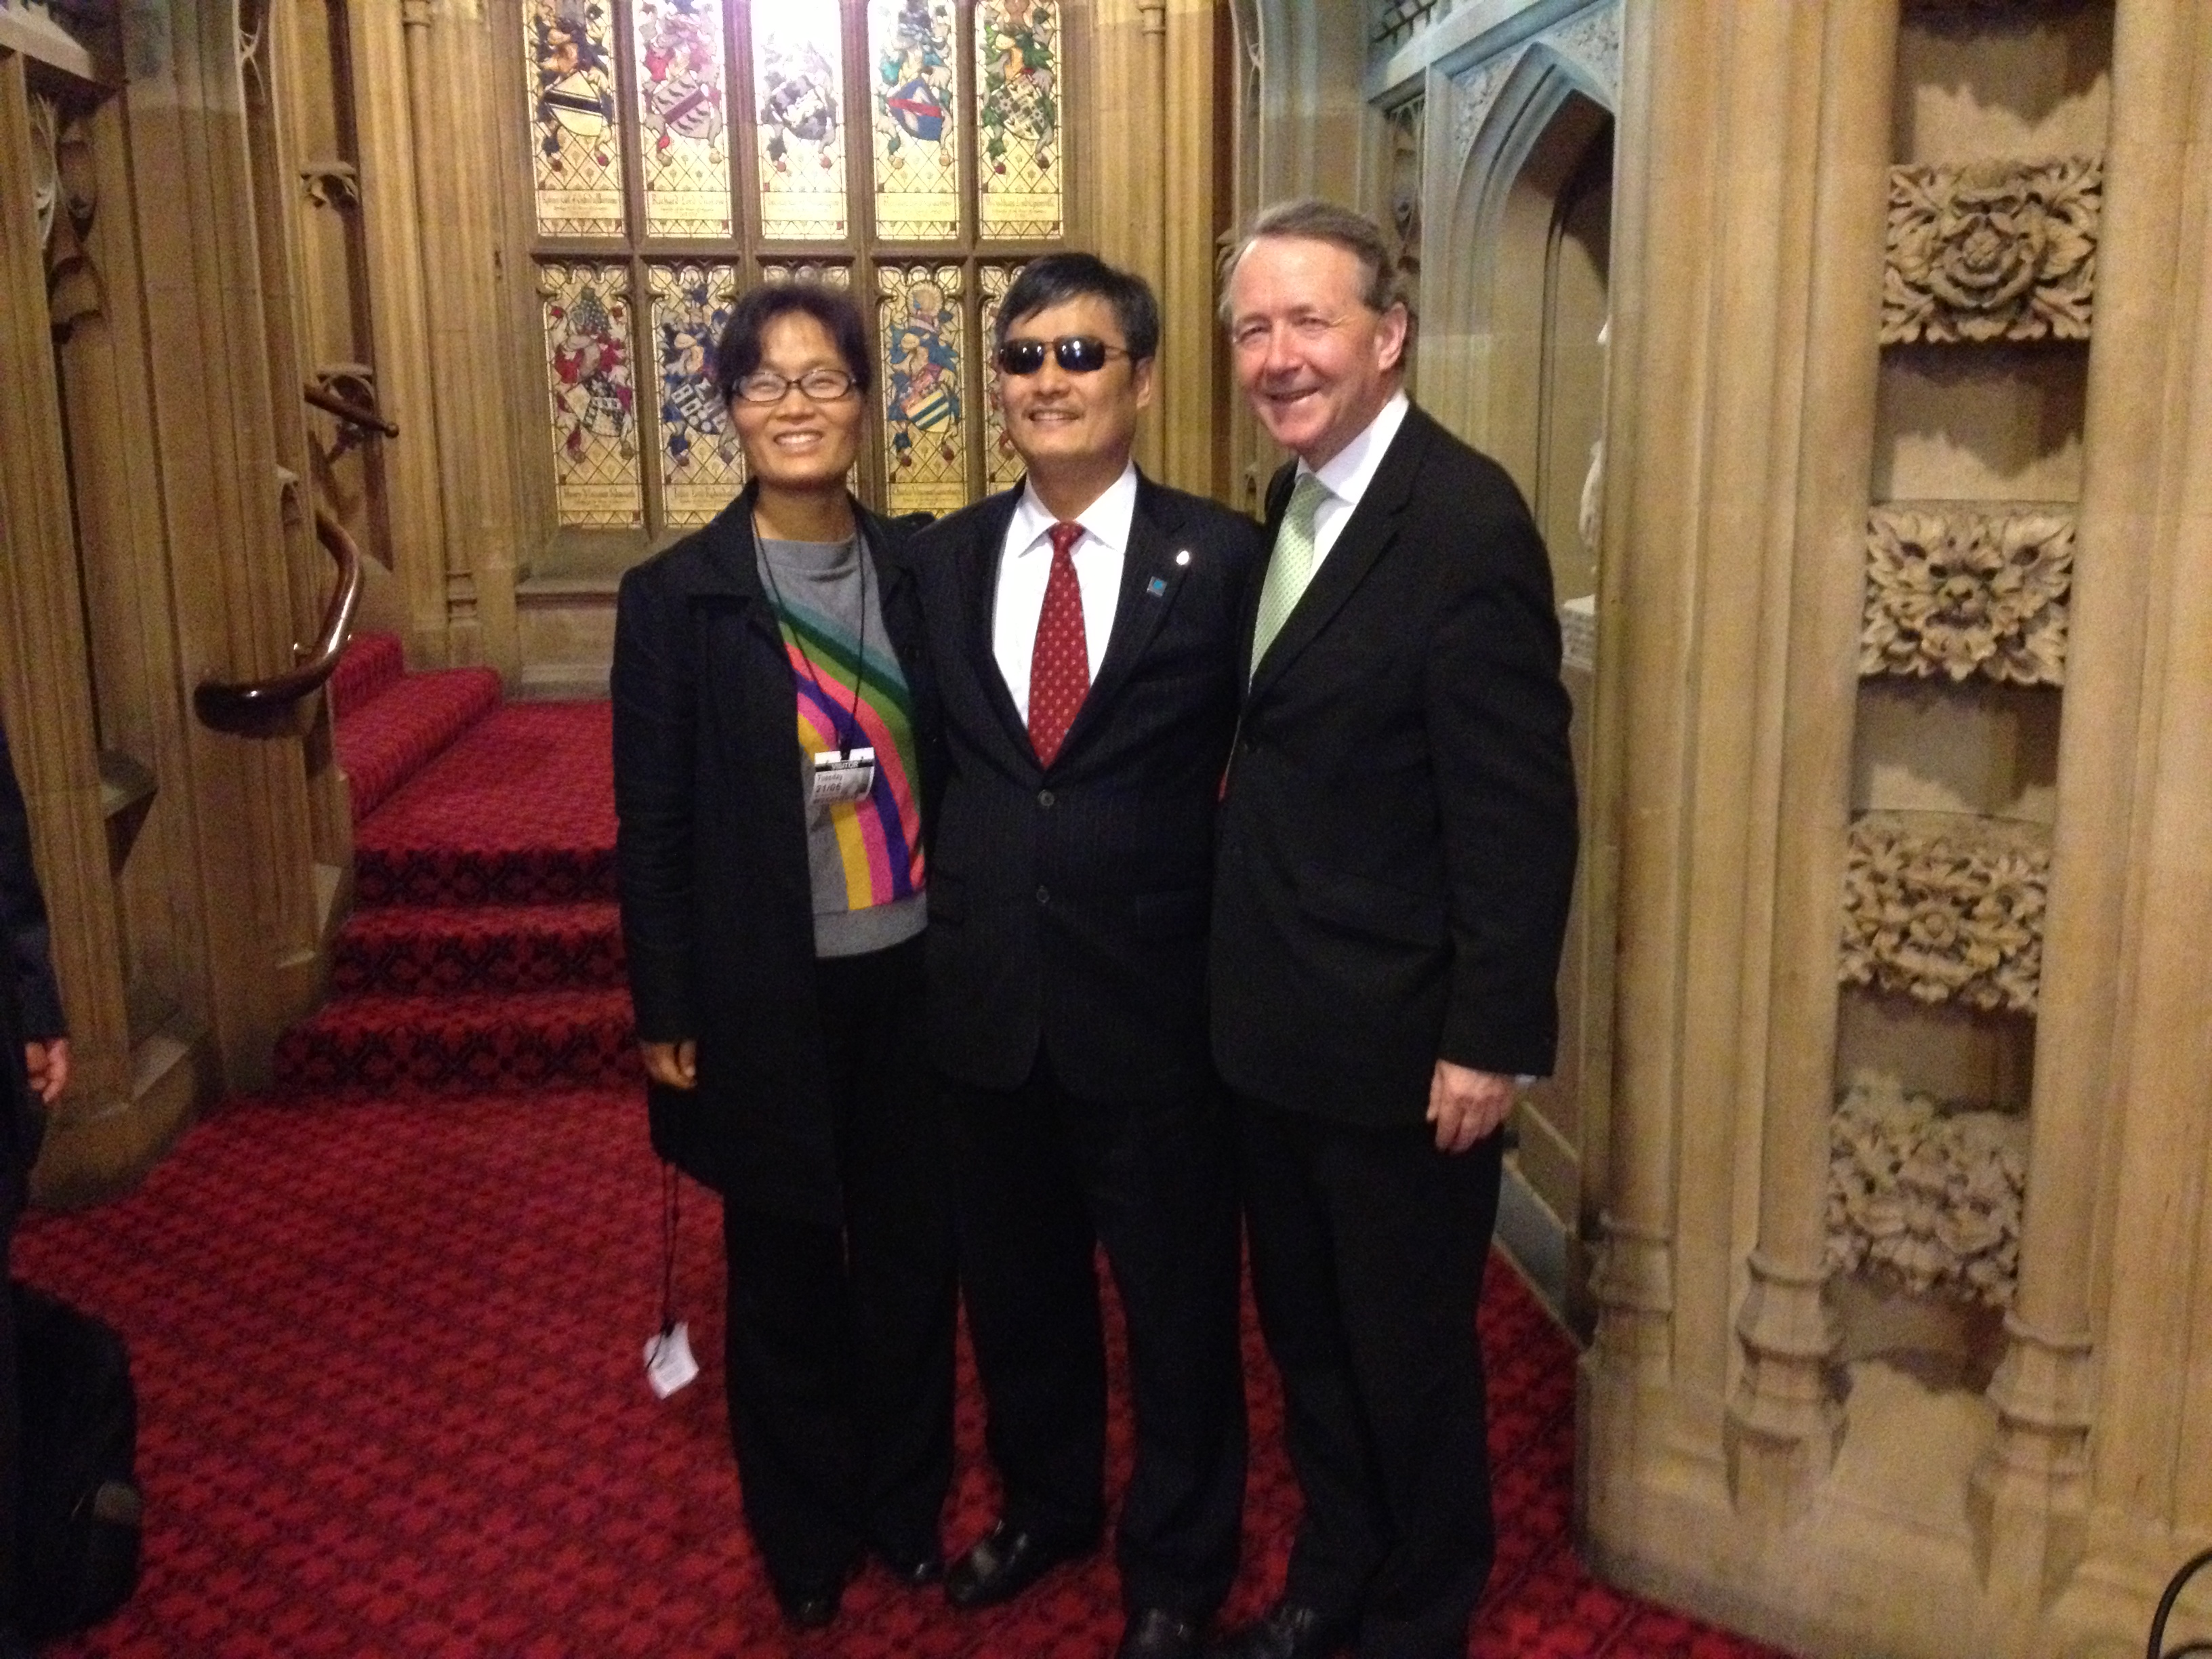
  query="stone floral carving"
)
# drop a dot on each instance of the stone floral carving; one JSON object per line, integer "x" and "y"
{"x": 1992, "y": 250}
{"x": 1946, "y": 915}
{"x": 1926, "y": 1199}
{"x": 1958, "y": 593}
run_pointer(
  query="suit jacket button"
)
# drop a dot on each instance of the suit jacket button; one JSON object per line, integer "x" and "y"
{"x": 1044, "y": 797}
{"x": 1044, "y": 895}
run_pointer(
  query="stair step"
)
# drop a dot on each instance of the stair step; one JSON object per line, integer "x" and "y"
{"x": 399, "y": 732}
{"x": 371, "y": 666}
{"x": 472, "y": 1043}
{"x": 410, "y": 950}
{"x": 521, "y": 811}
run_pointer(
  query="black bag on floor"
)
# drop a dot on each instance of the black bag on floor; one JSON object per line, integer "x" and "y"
{"x": 77, "y": 1549}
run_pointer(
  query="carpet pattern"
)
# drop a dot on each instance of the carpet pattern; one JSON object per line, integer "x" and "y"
{"x": 387, "y": 724}
{"x": 386, "y": 1321}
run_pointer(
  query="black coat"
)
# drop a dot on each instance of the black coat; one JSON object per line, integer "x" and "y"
{"x": 710, "y": 853}
{"x": 1397, "y": 833}
{"x": 1068, "y": 905}
{"x": 30, "y": 1002}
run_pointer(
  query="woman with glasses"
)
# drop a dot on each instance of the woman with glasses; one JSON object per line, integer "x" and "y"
{"x": 774, "y": 747}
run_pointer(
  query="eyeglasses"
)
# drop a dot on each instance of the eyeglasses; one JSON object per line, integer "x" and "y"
{"x": 821, "y": 386}
{"x": 1079, "y": 353}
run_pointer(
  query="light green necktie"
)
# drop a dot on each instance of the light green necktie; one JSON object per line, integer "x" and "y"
{"x": 1291, "y": 566}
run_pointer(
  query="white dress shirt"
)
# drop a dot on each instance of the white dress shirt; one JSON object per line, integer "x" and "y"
{"x": 1025, "y": 563}
{"x": 1349, "y": 472}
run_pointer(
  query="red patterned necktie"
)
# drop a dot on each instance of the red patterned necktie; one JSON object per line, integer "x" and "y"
{"x": 1059, "y": 662}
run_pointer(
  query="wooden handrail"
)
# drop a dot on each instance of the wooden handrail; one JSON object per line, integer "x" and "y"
{"x": 253, "y": 705}
{"x": 352, "y": 413}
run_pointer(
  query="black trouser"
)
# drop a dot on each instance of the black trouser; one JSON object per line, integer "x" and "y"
{"x": 1045, "y": 1178}
{"x": 839, "y": 1340}
{"x": 1368, "y": 1248}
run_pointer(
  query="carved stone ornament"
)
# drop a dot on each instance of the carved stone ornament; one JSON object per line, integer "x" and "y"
{"x": 1946, "y": 915}
{"x": 1474, "y": 94}
{"x": 1958, "y": 593}
{"x": 1992, "y": 250}
{"x": 331, "y": 184}
{"x": 1925, "y": 1200}
{"x": 1591, "y": 39}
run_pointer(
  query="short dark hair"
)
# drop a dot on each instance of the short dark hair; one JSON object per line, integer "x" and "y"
{"x": 738, "y": 353}
{"x": 1056, "y": 278}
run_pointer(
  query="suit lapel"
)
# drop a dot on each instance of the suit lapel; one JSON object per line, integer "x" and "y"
{"x": 1151, "y": 578}
{"x": 979, "y": 597}
{"x": 1373, "y": 524}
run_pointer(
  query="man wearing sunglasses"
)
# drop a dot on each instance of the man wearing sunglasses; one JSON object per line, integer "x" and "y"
{"x": 1083, "y": 628}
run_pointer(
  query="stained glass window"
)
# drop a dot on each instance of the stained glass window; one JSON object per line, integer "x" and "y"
{"x": 909, "y": 152}
{"x": 919, "y": 315}
{"x": 1002, "y": 467}
{"x": 683, "y": 117}
{"x": 700, "y": 465}
{"x": 1018, "y": 65}
{"x": 579, "y": 158}
{"x": 799, "y": 119}
{"x": 587, "y": 360}
{"x": 914, "y": 115}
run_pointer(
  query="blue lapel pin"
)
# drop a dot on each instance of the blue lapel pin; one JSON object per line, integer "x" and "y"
{"x": 1155, "y": 587}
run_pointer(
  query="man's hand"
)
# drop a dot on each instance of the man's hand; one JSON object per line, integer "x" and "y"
{"x": 1466, "y": 1104}
{"x": 672, "y": 1065}
{"x": 48, "y": 1064}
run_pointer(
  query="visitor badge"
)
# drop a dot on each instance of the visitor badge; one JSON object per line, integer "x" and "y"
{"x": 843, "y": 774}
{"x": 668, "y": 1362}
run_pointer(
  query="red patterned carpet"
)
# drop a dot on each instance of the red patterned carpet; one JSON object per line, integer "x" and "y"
{"x": 386, "y": 1321}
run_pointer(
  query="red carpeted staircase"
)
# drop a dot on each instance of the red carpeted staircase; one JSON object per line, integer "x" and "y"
{"x": 387, "y": 1321}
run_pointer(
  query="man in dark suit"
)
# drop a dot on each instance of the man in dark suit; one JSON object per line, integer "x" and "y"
{"x": 1396, "y": 846}
{"x": 31, "y": 1032}
{"x": 1083, "y": 628}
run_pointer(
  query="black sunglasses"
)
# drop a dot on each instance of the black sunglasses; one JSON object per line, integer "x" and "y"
{"x": 1079, "y": 353}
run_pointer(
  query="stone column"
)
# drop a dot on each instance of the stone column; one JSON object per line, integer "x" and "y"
{"x": 450, "y": 59}
{"x": 1753, "y": 146}
{"x": 45, "y": 676}
{"x": 2124, "y": 969}
{"x": 216, "y": 461}
{"x": 1782, "y": 1420}
{"x": 399, "y": 319}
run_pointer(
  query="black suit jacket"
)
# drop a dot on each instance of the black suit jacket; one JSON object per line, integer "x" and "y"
{"x": 1398, "y": 832}
{"x": 30, "y": 1002}
{"x": 1068, "y": 905}
{"x": 710, "y": 856}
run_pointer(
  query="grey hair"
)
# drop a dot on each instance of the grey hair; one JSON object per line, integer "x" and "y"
{"x": 1315, "y": 221}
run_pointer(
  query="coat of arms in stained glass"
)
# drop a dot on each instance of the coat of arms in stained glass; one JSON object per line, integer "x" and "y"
{"x": 1018, "y": 66}
{"x": 915, "y": 118}
{"x": 596, "y": 483}
{"x": 683, "y": 116}
{"x": 1002, "y": 463}
{"x": 579, "y": 142}
{"x": 924, "y": 432}
{"x": 799, "y": 107}
{"x": 702, "y": 465}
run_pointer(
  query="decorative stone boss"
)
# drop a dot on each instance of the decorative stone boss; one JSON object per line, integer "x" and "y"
{"x": 1991, "y": 250}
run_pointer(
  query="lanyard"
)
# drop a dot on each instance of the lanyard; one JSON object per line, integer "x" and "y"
{"x": 799, "y": 637}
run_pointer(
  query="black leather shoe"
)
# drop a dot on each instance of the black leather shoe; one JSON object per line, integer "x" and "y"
{"x": 814, "y": 1606}
{"x": 914, "y": 1572}
{"x": 1287, "y": 1630}
{"x": 816, "y": 1611}
{"x": 1002, "y": 1564}
{"x": 1155, "y": 1633}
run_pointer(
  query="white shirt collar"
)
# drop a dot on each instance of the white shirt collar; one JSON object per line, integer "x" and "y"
{"x": 1351, "y": 468}
{"x": 1106, "y": 520}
